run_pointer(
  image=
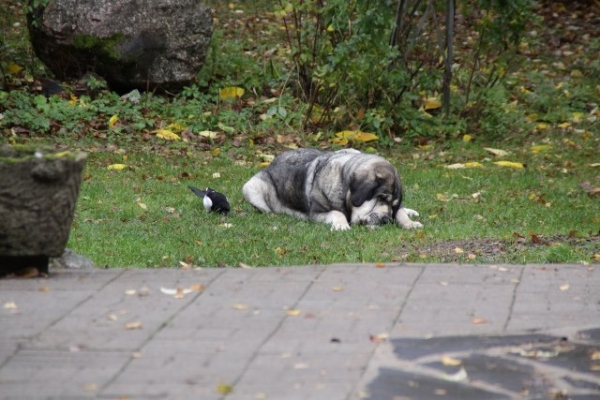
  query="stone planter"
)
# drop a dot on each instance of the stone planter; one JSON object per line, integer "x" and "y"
{"x": 38, "y": 192}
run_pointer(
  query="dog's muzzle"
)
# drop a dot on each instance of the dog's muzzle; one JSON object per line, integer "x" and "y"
{"x": 375, "y": 219}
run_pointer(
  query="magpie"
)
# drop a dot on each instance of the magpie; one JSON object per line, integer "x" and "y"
{"x": 212, "y": 200}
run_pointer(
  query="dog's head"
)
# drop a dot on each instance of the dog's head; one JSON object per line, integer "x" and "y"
{"x": 375, "y": 193}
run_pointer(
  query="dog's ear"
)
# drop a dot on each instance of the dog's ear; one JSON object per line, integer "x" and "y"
{"x": 365, "y": 184}
{"x": 362, "y": 190}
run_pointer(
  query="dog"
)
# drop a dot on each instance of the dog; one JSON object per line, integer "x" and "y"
{"x": 338, "y": 188}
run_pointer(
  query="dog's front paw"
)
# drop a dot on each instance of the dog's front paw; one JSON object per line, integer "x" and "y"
{"x": 340, "y": 227}
{"x": 403, "y": 219}
{"x": 410, "y": 212}
{"x": 412, "y": 225}
{"x": 338, "y": 221}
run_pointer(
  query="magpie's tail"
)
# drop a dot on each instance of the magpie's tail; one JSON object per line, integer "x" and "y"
{"x": 197, "y": 192}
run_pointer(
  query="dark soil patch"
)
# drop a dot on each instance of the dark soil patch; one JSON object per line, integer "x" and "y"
{"x": 489, "y": 250}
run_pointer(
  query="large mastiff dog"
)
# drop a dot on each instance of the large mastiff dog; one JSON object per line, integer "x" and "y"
{"x": 339, "y": 188}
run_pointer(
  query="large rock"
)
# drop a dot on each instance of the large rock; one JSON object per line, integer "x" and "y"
{"x": 155, "y": 44}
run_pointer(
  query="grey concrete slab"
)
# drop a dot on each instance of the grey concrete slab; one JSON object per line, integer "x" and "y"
{"x": 356, "y": 331}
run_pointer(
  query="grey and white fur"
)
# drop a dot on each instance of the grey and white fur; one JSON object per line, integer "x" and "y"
{"x": 339, "y": 188}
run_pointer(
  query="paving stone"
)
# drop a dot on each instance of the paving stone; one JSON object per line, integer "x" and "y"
{"x": 341, "y": 331}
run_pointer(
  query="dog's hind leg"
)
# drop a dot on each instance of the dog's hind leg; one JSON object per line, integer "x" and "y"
{"x": 255, "y": 191}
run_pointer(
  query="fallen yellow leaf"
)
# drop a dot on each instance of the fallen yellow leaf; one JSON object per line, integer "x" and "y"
{"x": 231, "y": 92}
{"x": 496, "y": 152}
{"x": 456, "y": 166}
{"x": 341, "y": 141}
{"x": 467, "y": 138}
{"x": 14, "y": 69}
{"x": 442, "y": 197}
{"x": 343, "y": 137}
{"x": 449, "y": 361}
{"x": 576, "y": 73}
{"x": 532, "y": 117}
{"x": 166, "y": 134}
{"x": 471, "y": 164}
{"x": 540, "y": 148}
{"x": 478, "y": 321}
{"x": 577, "y": 116}
{"x": 11, "y": 305}
{"x": 224, "y": 388}
{"x": 133, "y": 325}
{"x": 62, "y": 154}
{"x": 208, "y": 134}
{"x": 510, "y": 164}
{"x": 432, "y": 103}
{"x": 113, "y": 121}
{"x": 116, "y": 167}
{"x": 239, "y": 306}
{"x": 365, "y": 137}
{"x": 175, "y": 127}
{"x": 281, "y": 250}
{"x": 293, "y": 313}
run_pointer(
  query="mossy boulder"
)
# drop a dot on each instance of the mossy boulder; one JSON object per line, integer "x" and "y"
{"x": 151, "y": 44}
{"x": 38, "y": 192}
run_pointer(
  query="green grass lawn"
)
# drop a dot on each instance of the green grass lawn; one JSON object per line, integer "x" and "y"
{"x": 145, "y": 215}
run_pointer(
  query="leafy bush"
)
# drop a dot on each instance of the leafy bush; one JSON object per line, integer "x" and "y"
{"x": 366, "y": 60}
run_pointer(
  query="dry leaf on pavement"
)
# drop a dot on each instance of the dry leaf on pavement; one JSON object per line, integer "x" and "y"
{"x": 11, "y": 305}
{"x": 224, "y": 388}
{"x": 449, "y": 361}
{"x": 382, "y": 337}
{"x": 133, "y": 325}
{"x": 177, "y": 293}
